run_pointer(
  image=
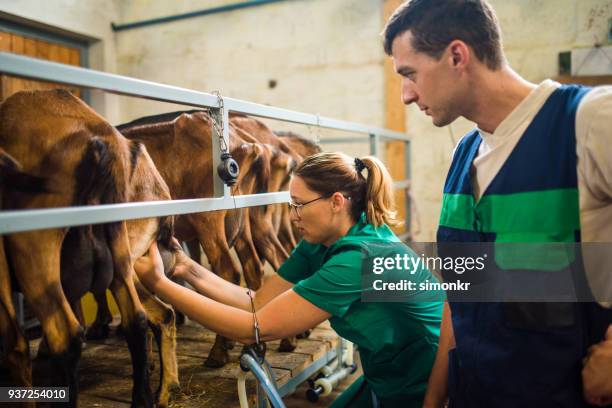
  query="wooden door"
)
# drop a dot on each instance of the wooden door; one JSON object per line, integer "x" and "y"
{"x": 31, "y": 47}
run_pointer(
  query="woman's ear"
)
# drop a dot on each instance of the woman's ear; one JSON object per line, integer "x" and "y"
{"x": 338, "y": 201}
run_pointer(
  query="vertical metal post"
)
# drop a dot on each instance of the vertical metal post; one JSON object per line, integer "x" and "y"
{"x": 340, "y": 354}
{"x": 374, "y": 141}
{"x": 221, "y": 117}
{"x": 408, "y": 176}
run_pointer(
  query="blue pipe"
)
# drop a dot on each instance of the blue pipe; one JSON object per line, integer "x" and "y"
{"x": 214, "y": 10}
{"x": 246, "y": 360}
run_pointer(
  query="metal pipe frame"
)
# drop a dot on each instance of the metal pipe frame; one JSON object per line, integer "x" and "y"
{"x": 191, "y": 14}
{"x": 314, "y": 367}
{"x": 33, "y": 68}
{"x": 18, "y": 221}
{"x": 26, "y": 220}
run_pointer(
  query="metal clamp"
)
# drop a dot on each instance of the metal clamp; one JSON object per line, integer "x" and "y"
{"x": 228, "y": 169}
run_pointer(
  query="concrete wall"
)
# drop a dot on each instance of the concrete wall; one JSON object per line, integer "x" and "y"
{"x": 91, "y": 18}
{"x": 324, "y": 55}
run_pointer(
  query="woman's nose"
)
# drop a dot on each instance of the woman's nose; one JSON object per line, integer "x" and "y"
{"x": 293, "y": 215}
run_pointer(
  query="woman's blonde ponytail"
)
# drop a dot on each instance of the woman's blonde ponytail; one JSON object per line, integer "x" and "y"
{"x": 379, "y": 200}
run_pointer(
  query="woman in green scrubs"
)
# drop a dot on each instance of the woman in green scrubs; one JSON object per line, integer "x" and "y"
{"x": 343, "y": 216}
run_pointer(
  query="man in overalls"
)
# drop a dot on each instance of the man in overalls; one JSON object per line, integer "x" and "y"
{"x": 538, "y": 168}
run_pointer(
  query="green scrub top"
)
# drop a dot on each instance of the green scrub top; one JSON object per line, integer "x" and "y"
{"x": 397, "y": 341}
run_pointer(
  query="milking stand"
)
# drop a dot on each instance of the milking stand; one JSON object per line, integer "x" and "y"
{"x": 329, "y": 370}
{"x": 334, "y": 372}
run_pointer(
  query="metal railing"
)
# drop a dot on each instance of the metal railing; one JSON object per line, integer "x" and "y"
{"x": 26, "y": 220}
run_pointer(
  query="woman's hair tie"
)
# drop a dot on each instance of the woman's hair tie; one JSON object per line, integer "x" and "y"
{"x": 359, "y": 164}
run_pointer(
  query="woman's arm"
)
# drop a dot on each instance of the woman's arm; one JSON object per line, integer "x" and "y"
{"x": 285, "y": 315}
{"x": 437, "y": 386}
{"x": 217, "y": 288}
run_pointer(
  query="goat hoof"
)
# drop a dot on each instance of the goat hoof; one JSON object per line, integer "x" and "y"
{"x": 216, "y": 362}
{"x": 287, "y": 345}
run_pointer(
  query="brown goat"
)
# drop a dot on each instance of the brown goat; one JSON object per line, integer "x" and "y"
{"x": 83, "y": 160}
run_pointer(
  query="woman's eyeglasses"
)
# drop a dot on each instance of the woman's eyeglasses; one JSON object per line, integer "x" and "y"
{"x": 297, "y": 207}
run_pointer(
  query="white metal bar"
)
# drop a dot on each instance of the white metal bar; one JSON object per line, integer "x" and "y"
{"x": 272, "y": 112}
{"x": 252, "y": 200}
{"x": 27, "y": 220}
{"x": 67, "y": 74}
{"x": 346, "y": 140}
{"x": 51, "y": 71}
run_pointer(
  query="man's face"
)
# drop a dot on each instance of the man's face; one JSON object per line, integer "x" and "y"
{"x": 426, "y": 81}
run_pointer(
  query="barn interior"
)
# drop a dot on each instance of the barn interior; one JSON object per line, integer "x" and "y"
{"x": 320, "y": 60}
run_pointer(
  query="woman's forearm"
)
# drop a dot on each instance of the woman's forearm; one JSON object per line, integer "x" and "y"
{"x": 228, "y": 320}
{"x": 214, "y": 287}
{"x": 286, "y": 315}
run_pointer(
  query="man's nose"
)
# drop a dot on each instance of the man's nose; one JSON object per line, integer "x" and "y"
{"x": 409, "y": 94}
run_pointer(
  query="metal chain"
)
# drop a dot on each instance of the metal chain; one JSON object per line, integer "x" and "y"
{"x": 219, "y": 127}
{"x": 255, "y": 322}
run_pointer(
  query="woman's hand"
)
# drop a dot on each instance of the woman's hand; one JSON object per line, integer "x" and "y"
{"x": 184, "y": 267}
{"x": 150, "y": 268}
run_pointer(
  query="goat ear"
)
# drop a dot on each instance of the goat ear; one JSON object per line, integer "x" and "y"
{"x": 11, "y": 176}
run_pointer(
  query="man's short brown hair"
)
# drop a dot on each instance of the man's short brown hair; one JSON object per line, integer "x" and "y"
{"x": 435, "y": 23}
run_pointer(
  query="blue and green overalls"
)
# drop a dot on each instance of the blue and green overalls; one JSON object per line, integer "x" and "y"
{"x": 397, "y": 341}
{"x": 521, "y": 354}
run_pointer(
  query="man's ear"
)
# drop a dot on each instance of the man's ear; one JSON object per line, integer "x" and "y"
{"x": 460, "y": 53}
